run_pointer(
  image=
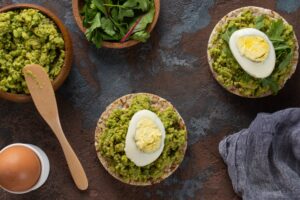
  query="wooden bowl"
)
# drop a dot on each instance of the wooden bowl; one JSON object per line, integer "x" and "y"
{"x": 65, "y": 70}
{"x": 77, "y": 6}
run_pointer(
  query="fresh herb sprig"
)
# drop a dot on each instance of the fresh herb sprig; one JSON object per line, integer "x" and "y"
{"x": 284, "y": 53}
{"x": 117, "y": 20}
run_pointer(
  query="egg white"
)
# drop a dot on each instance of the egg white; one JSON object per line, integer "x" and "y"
{"x": 132, "y": 152}
{"x": 255, "y": 69}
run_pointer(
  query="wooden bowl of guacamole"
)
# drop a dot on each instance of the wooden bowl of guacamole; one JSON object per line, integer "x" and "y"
{"x": 31, "y": 34}
{"x": 225, "y": 67}
{"x": 112, "y": 129}
{"x": 116, "y": 26}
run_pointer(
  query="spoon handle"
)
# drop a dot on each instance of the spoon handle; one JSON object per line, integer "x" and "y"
{"x": 74, "y": 164}
{"x": 43, "y": 96}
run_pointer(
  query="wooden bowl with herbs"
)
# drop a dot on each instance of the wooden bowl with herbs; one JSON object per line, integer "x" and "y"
{"x": 116, "y": 24}
{"x": 31, "y": 34}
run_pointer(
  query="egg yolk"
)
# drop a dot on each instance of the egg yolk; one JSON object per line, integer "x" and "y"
{"x": 255, "y": 48}
{"x": 148, "y": 136}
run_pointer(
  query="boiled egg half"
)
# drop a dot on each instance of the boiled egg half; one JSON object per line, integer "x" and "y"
{"x": 254, "y": 51}
{"x": 145, "y": 138}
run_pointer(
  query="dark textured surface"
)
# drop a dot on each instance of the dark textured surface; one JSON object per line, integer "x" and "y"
{"x": 171, "y": 64}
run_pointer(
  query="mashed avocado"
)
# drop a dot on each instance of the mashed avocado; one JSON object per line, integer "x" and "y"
{"x": 231, "y": 75}
{"x": 112, "y": 142}
{"x": 27, "y": 37}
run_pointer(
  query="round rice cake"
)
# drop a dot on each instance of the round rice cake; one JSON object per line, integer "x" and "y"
{"x": 257, "y": 11}
{"x": 124, "y": 102}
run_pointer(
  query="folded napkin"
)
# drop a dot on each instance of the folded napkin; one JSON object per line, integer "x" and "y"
{"x": 264, "y": 160}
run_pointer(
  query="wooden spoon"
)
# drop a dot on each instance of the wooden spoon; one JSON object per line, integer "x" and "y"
{"x": 43, "y": 96}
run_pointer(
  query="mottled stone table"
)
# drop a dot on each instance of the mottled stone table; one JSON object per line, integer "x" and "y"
{"x": 171, "y": 64}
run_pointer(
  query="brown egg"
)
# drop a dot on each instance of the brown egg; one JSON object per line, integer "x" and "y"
{"x": 20, "y": 168}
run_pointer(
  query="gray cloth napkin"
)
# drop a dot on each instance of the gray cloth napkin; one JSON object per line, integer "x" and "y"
{"x": 264, "y": 160}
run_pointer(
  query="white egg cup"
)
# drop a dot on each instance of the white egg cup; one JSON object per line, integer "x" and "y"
{"x": 45, "y": 166}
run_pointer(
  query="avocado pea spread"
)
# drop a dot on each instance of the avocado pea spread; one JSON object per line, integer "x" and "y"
{"x": 112, "y": 142}
{"x": 28, "y": 37}
{"x": 231, "y": 75}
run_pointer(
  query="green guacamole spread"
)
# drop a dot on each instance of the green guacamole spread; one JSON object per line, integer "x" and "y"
{"x": 28, "y": 37}
{"x": 231, "y": 75}
{"x": 112, "y": 142}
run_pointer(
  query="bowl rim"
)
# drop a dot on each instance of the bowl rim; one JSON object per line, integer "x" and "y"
{"x": 65, "y": 69}
{"x": 115, "y": 45}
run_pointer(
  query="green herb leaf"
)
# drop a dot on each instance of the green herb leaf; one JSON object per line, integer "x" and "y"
{"x": 227, "y": 51}
{"x": 279, "y": 39}
{"x": 271, "y": 83}
{"x": 100, "y": 6}
{"x": 130, "y": 31}
{"x": 280, "y": 47}
{"x": 116, "y": 37}
{"x": 141, "y": 36}
{"x": 89, "y": 15}
{"x": 96, "y": 23}
{"x": 140, "y": 25}
{"x": 146, "y": 19}
{"x": 114, "y": 13}
{"x": 137, "y": 4}
{"x": 97, "y": 39}
{"x": 123, "y": 12}
{"x": 276, "y": 30}
{"x": 120, "y": 27}
{"x": 108, "y": 26}
{"x": 259, "y": 22}
{"x": 286, "y": 61}
{"x": 228, "y": 33}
